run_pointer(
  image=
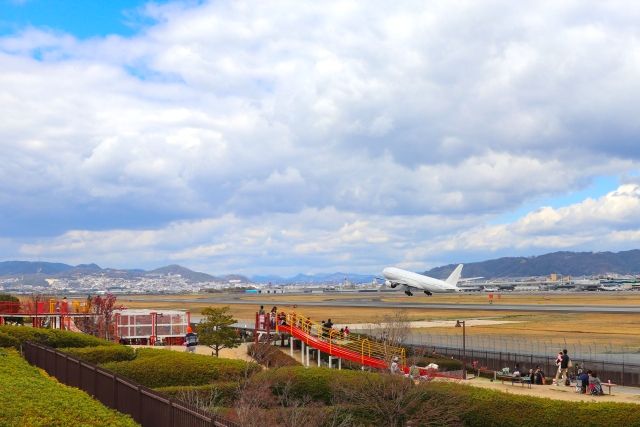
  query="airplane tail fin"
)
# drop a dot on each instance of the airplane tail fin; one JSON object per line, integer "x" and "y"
{"x": 454, "y": 277}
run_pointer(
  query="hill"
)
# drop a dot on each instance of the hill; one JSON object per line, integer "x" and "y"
{"x": 38, "y": 271}
{"x": 566, "y": 263}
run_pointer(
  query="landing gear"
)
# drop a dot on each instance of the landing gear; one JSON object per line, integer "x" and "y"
{"x": 408, "y": 293}
{"x": 428, "y": 293}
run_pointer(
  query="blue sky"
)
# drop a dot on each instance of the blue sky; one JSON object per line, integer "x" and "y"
{"x": 291, "y": 137}
{"x": 83, "y": 19}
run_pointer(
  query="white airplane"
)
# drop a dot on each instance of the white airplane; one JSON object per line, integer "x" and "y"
{"x": 409, "y": 280}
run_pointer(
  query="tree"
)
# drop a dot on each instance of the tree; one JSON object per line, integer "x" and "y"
{"x": 102, "y": 324}
{"x": 215, "y": 329}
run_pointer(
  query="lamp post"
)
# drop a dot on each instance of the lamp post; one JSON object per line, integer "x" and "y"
{"x": 462, "y": 324}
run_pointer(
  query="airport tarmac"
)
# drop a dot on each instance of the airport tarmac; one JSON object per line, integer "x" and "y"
{"x": 609, "y": 309}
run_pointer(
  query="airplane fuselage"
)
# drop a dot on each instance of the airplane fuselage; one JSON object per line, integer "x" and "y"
{"x": 408, "y": 279}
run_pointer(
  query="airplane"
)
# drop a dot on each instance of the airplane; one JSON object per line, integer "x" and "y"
{"x": 409, "y": 280}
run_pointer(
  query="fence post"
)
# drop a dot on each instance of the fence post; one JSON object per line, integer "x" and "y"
{"x": 115, "y": 391}
{"x": 170, "y": 412}
{"x": 139, "y": 417}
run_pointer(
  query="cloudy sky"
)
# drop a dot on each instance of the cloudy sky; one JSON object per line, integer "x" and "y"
{"x": 288, "y": 136}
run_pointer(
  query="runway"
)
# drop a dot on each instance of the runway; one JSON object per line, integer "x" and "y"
{"x": 610, "y": 309}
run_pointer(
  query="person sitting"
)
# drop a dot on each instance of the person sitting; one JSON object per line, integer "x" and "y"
{"x": 532, "y": 376}
{"x": 582, "y": 381}
{"x": 595, "y": 386}
{"x": 516, "y": 371}
{"x": 539, "y": 376}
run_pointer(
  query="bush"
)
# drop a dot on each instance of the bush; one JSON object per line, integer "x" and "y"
{"x": 29, "y": 397}
{"x": 7, "y": 340}
{"x": 270, "y": 356}
{"x": 481, "y": 407}
{"x": 164, "y": 368}
{"x": 225, "y": 393}
{"x": 53, "y": 337}
{"x": 102, "y": 353}
{"x": 319, "y": 384}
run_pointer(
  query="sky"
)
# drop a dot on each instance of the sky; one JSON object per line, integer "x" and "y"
{"x": 290, "y": 137}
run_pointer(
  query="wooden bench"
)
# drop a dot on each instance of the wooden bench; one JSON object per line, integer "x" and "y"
{"x": 522, "y": 380}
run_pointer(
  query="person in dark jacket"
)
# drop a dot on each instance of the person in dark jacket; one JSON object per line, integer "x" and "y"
{"x": 564, "y": 368}
{"x": 584, "y": 379}
{"x": 539, "y": 376}
{"x": 191, "y": 340}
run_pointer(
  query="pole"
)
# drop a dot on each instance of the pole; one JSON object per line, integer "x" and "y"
{"x": 464, "y": 350}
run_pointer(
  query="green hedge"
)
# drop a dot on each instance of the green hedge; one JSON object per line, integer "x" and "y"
{"x": 166, "y": 368}
{"x": 102, "y": 353}
{"x": 225, "y": 392}
{"x": 29, "y": 397}
{"x": 319, "y": 384}
{"x": 7, "y": 340}
{"x": 53, "y": 337}
{"x": 270, "y": 356}
{"x": 482, "y": 407}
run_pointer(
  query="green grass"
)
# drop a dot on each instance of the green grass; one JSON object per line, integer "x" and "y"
{"x": 29, "y": 397}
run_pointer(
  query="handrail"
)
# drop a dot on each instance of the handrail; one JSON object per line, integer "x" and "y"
{"x": 365, "y": 347}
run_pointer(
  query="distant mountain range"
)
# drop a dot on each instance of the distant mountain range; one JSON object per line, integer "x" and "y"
{"x": 566, "y": 263}
{"x": 56, "y": 270}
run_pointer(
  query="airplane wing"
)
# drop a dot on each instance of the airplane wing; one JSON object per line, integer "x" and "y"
{"x": 469, "y": 279}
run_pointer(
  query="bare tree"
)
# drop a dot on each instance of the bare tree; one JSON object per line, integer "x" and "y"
{"x": 294, "y": 411}
{"x": 212, "y": 401}
{"x": 393, "y": 329}
{"x": 397, "y": 401}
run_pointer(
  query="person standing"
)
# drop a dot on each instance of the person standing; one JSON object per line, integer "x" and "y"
{"x": 564, "y": 368}
{"x": 395, "y": 367}
{"x": 191, "y": 340}
{"x": 558, "y": 362}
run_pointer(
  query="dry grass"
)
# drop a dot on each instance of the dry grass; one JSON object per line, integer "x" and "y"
{"x": 604, "y": 329}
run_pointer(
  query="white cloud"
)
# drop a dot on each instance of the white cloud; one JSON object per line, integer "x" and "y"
{"x": 264, "y": 115}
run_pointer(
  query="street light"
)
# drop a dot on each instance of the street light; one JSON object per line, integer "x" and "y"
{"x": 462, "y": 324}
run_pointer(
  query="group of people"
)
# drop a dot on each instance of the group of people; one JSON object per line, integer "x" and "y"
{"x": 587, "y": 380}
{"x": 536, "y": 376}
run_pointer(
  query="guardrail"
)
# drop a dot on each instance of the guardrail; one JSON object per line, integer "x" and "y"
{"x": 146, "y": 406}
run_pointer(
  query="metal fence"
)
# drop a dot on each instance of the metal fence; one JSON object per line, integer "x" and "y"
{"x": 620, "y": 373}
{"x": 146, "y": 406}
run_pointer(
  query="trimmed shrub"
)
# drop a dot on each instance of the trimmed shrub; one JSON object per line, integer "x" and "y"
{"x": 225, "y": 393}
{"x": 270, "y": 356}
{"x": 7, "y": 340}
{"x": 29, "y": 397}
{"x": 319, "y": 384}
{"x": 482, "y": 407}
{"x": 102, "y": 353}
{"x": 53, "y": 337}
{"x": 171, "y": 368}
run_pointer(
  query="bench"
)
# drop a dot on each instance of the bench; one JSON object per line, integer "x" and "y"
{"x": 522, "y": 380}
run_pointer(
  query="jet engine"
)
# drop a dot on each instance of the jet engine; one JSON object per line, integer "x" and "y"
{"x": 390, "y": 284}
